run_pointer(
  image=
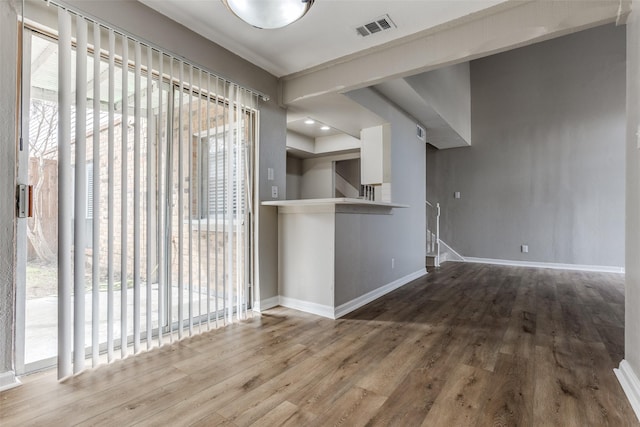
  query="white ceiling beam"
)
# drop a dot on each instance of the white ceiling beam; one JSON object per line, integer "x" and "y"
{"x": 510, "y": 25}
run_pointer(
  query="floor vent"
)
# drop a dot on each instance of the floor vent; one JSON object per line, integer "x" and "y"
{"x": 378, "y": 25}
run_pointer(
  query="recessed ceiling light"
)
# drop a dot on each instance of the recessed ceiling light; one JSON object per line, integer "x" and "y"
{"x": 325, "y": 127}
{"x": 309, "y": 122}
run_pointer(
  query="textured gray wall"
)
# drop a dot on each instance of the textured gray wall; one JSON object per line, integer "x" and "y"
{"x": 632, "y": 276}
{"x": 8, "y": 43}
{"x": 546, "y": 167}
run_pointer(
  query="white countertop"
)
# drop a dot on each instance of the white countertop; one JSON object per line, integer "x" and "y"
{"x": 333, "y": 201}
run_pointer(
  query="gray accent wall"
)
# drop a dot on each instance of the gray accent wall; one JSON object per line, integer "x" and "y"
{"x": 366, "y": 244}
{"x": 547, "y": 164}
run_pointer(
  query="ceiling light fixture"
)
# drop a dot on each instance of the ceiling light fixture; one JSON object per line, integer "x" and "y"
{"x": 325, "y": 127}
{"x": 309, "y": 122}
{"x": 269, "y": 14}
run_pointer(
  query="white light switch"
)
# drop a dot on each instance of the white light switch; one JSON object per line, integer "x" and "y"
{"x": 274, "y": 191}
{"x": 270, "y": 174}
{"x": 456, "y": 195}
{"x": 524, "y": 249}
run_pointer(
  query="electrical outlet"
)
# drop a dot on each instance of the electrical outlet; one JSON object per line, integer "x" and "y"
{"x": 524, "y": 249}
{"x": 456, "y": 195}
{"x": 274, "y": 191}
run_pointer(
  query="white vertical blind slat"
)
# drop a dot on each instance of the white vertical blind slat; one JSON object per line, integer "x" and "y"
{"x": 169, "y": 197}
{"x": 150, "y": 206}
{"x": 80, "y": 195}
{"x": 238, "y": 204}
{"x": 180, "y": 109}
{"x": 208, "y": 183}
{"x": 124, "y": 199}
{"x": 199, "y": 197}
{"x": 111, "y": 199}
{"x": 228, "y": 176}
{"x": 162, "y": 195}
{"x": 65, "y": 194}
{"x": 189, "y": 141}
{"x": 95, "y": 239}
{"x": 137, "y": 164}
{"x": 224, "y": 217}
{"x": 216, "y": 143}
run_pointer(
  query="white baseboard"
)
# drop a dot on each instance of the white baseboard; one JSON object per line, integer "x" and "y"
{"x": 266, "y": 304}
{"x": 307, "y": 307}
{"x": 552, "y": 265}
{"x": 8, "y": 380}
{"x": 356, "y": 303}
{"x": 334, "y": 313}
{"x": 630, "y": 384}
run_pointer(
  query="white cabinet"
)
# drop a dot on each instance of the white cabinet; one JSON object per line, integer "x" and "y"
{"x": 375, "y": 160}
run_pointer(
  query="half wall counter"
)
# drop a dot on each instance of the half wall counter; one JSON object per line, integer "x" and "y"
{"x": 312, "y": 269}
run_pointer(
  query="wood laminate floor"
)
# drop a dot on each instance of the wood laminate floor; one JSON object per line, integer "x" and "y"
{"x": 467, "y": 345}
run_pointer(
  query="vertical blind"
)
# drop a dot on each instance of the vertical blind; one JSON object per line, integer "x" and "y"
{"x": 156, "y": 155}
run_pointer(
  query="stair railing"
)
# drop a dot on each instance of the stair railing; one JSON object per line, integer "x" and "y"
{"x": 433, "y": 236}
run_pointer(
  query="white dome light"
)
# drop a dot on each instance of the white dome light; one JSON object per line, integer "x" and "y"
{"x": 269, "y": 14}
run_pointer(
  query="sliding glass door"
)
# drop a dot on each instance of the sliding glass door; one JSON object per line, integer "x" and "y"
{"x": 161, "y": 177}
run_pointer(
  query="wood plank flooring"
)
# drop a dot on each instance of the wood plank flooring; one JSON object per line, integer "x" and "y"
{"x": 467, "y": 345}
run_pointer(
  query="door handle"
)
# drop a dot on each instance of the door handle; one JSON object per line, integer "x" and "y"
{"x": 25, "y": 201}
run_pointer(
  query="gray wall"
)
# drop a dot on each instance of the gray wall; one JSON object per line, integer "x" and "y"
{"x": 294, "y": 177}
{"x": 632, "y": 276}
{"x": 546, "y": 167}
{"x": 272, "y": 138}
{"x": 365, "y": 244}
{"x": 448, "y": 91}
{"x": 8, "y": 115}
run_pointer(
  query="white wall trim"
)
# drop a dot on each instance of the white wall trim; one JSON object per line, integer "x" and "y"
{"x": 552, "y": 265}
{"x": 630, "y": 384}
{"x": 266, "y": 304}
{"x": 356, "y": 303}
{"x": 307, "y": 307}
{"x": 8, "y": 380}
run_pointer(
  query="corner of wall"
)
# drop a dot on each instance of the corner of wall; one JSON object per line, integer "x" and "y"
{"x": 630, "y": 385}
{"x": 8, "y": 380}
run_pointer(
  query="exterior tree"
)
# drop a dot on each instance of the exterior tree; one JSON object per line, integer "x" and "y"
{"x": 43, "y": 144}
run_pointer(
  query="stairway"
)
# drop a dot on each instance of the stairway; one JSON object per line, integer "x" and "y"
{"x": 433, "y": 235}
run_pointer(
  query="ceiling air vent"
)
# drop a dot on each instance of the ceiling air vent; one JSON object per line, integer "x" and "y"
{"x": 377, "y": 25}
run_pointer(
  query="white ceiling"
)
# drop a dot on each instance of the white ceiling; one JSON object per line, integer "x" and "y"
{"x": 320, "y": 57}
{"x": 326, "y": 33}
